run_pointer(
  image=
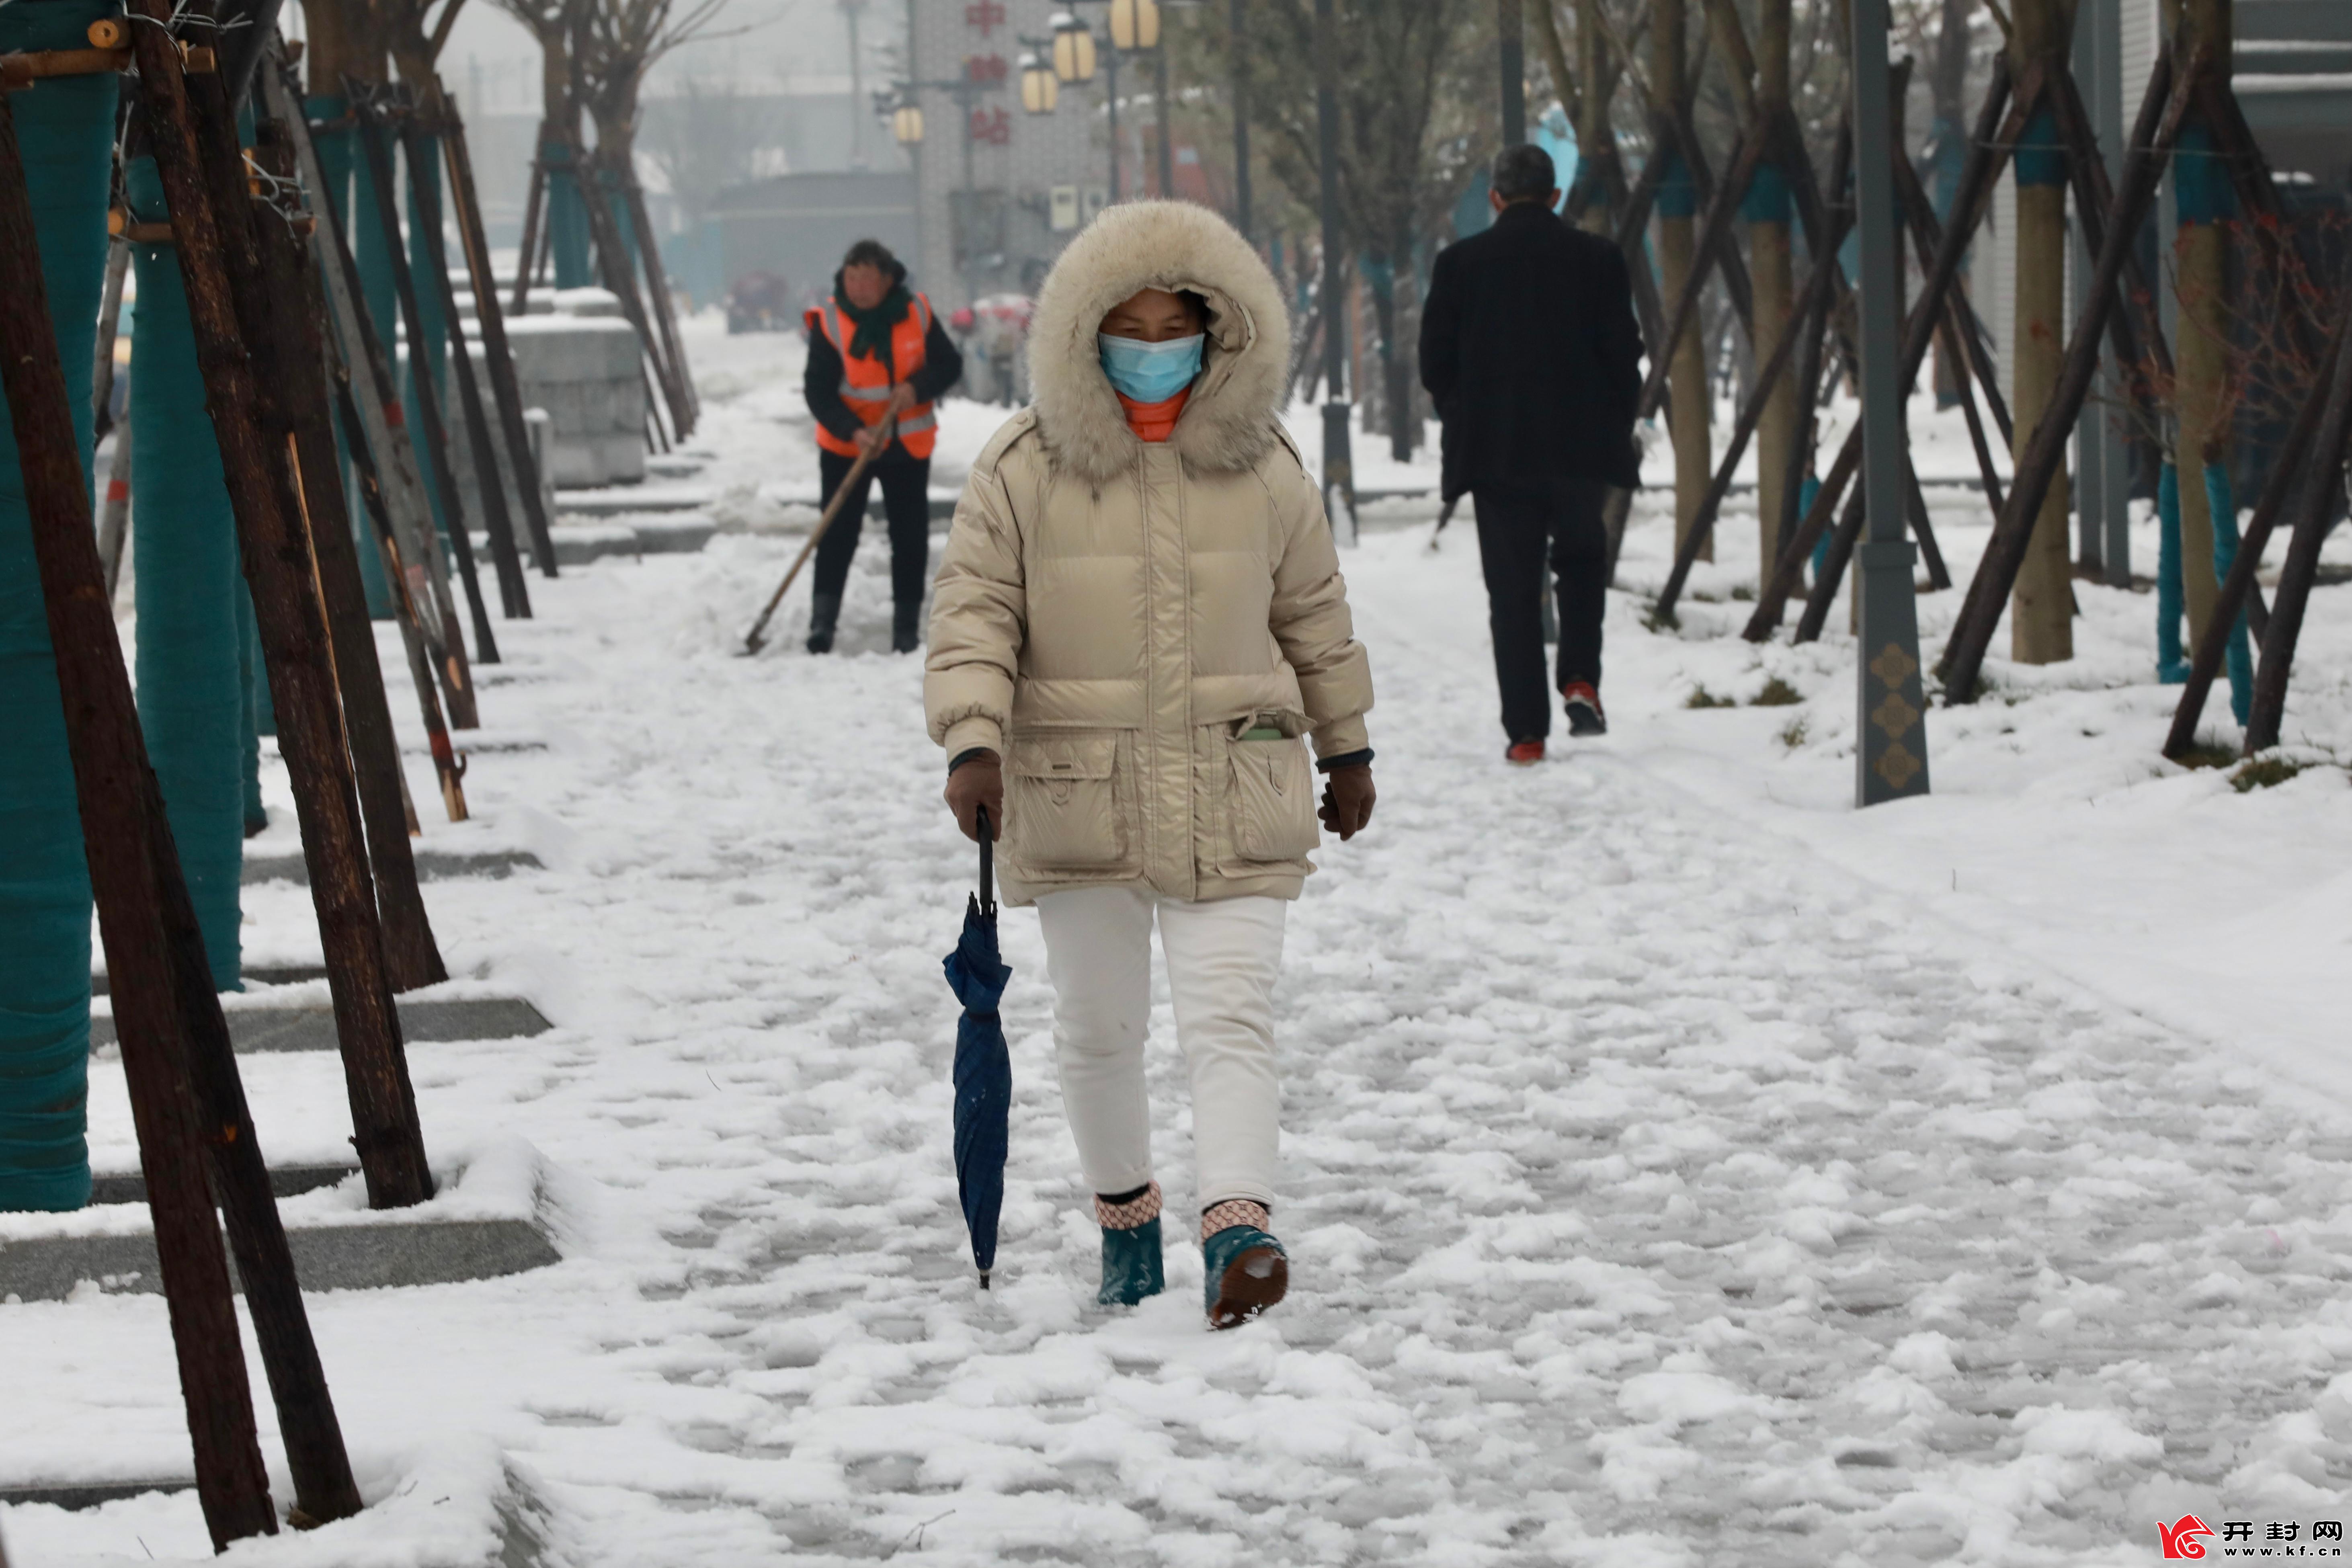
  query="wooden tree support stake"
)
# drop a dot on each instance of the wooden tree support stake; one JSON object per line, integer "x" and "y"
{"x": 376, "y": 148}
{"x": 496, "y": 350}
{"x": 193, "y": 134}
{"x": 1816, "y": 293}
{"x": 161, "y": 988}
{"x": 2288, "y": 471}
{"x": 620, "y": 276}
{"x": 412, "y": 958}
{"x": 381, "y": 447}
{"x": 2300, "y": 568}
{"x": 664, "y": 313}
{"x": 449, "y": 767}
{"x": 2166, "y": 100}
{"x": 425, "y": 201}
{"x": 1988, "y": 150}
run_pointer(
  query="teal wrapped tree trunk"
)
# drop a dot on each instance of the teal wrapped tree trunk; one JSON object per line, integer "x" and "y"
{"x": 256, "y": 816}
{"x": 66, "y": 128}
{"x": 567, "y": 219}
{"x": 335, "y": 155}
{"x": 426, "y": 257}
{"x": 193, "y": 658}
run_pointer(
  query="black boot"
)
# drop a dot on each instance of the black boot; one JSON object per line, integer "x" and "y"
{"x": 824, "y": 613}
{"x": 906, "y": 628}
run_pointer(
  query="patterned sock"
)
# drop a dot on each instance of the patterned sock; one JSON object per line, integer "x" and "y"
{"x": 1233, "y": 1212}
{"x": 1128, "y": 1211}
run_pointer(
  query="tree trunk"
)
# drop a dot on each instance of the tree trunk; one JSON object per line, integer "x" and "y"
{"x": 1770, "y": 261}
{"x": 2042, "y": 626}
{"x": 2206, "y": 202}
{"x": 1592, "y": 131}
{"x": 1686, "y": 356}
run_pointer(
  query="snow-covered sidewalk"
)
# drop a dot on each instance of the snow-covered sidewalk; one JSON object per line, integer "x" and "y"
{"x": 1661, "y": 1193}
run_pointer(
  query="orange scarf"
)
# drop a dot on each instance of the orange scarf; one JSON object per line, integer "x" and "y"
{"x": 1153, "y": 422}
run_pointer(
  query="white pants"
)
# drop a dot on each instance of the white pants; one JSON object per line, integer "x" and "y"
{"x": 1222, "y": 960}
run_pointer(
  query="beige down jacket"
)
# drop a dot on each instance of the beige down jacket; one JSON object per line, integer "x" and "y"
{"x": 1111, "y": 617}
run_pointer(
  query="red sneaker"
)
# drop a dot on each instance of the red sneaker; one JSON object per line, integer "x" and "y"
{"x": 1525, "y": 753}
{"x": 1583, "y": 705}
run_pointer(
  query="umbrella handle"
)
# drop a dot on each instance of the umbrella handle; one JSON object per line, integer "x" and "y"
{"x": 987, "y": 864}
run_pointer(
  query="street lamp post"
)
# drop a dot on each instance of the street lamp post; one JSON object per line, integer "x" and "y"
{"x": 1339, "y": 465}
{"x": 1891, "y": 754}
{"x": 1512, "y": 27}
{"x": 850, "y": 10}
{"x": 1134, "y": 29}
{"x": 1241, "y": 121}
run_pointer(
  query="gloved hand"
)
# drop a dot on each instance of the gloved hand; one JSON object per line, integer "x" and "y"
{"x": 979, "y": 783}
{"x": 1348, "y": 796}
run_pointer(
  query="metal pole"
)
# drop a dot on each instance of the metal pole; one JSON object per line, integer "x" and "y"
{"x": 1241, "y": 125}
{"x": 1111, "y": 96}
{"x": 1339, "y": 465}
{"x": 1509, "y": 24}
{"x": 1165, "y": 132}
{"x": 849, "y": 10}
{"x": 2111, "y": 113}
{"x": 1890, "y": 760}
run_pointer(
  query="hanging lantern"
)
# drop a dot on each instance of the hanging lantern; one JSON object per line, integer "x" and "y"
{"x": 1039, "y": 89}
{"x": 1074, "y": 49}
{"x": 1135, "y": 24}
{"x": 906, "y": 124}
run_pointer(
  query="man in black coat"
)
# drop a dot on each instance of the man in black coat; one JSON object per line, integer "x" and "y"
{"x": 1529, "y": 347}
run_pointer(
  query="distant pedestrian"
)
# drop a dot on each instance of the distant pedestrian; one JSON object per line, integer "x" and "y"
{"x": 875, "y": 349}
{"x": 1140, "y": 619}
{"x": 1530, "y": 351}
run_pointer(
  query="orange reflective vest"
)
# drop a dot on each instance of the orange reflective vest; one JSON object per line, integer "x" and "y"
{"x": 866, "y": 381}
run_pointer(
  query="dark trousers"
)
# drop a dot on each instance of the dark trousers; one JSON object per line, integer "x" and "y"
{"x": 1519, "y": 529}
{"x": 906, "y": 503}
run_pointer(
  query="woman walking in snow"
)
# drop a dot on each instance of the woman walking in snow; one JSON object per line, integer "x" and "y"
{"x": 1139, "y": 619}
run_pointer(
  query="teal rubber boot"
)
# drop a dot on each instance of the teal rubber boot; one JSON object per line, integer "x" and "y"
{"x": 1247, "y": 1271}
{"x": 1131, "y": 1264}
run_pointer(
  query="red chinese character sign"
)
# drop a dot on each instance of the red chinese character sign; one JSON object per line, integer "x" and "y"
{"x": 985, "y": 16}
{"x": 993, "y": 126}
{"x": 984, "y": 68}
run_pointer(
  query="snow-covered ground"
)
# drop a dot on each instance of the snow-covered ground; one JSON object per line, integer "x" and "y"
{"x": 1682, "y": 1167}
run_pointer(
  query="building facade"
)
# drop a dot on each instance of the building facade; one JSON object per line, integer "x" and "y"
{"x": 999, "y": 191}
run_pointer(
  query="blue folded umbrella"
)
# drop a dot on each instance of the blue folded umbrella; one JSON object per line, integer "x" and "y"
{"x": 983, "y": 1067}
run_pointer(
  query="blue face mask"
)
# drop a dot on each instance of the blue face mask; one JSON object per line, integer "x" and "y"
{"x": 1150, "y": 373}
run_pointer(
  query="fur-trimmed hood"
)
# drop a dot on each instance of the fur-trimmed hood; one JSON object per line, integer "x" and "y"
{"x": 1231, "y": 420}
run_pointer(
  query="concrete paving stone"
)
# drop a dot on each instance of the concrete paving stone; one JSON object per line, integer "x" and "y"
{"x": 285, "y": 1182}
{"x": 363, "y": 1257}
{"x": 421, "y": 1019}
{"x": 576, "y": 544}
{"x": 255, "y": 974}
{"x": 432, "y": 865}
{"x": 75, "y": 1495}
{"x": 615, "y": 500}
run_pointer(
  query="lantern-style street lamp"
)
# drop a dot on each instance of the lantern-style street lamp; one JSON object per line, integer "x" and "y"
{"x": 1134, "y": 30}
{"x": 1074, "y": 50}
{"x": 907, "y": 123}
{"x": 1134, "y": 24}
{"x": 1040, "y": 89}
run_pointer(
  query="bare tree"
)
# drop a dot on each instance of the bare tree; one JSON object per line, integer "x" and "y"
{"x": 1400, "y": 63}
{"x": 710, "y": 138}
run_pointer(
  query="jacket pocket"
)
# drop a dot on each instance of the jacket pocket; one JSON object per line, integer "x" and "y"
{"x": 1062, "y": 793}
{"x": 1270, "y": 800}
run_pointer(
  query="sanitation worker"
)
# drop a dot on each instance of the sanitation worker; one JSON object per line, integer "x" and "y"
{"x": 1138, "y": 627}
{"x": 875, "y": 349}
{"x": 1531, "y": 354}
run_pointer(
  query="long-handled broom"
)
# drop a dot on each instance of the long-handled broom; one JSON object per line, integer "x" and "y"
{"x": 883, "y": 435}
